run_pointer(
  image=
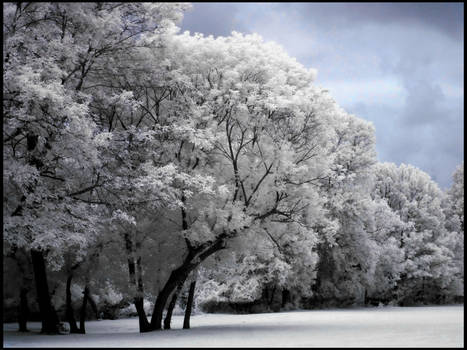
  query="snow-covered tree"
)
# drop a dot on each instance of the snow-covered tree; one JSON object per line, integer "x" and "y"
{"x": 454, "y": 211}
{"x": 347, "y": 252}
{"x": 264, "y": 132}
{"x": 428, "y": 267}
{"x": 51, "y": 143}
{"x": 384, "y": 224}
{"x": 264, "y": 270}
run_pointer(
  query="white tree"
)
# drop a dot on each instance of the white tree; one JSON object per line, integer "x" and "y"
{"x": 428, "y": 267}
{"x": 52, "y": 161}
{"x": 263, "y": 127}
{"x": 454, "y": 211}
{"x": 347, "y": 253}
{"x": 383, "y": 228}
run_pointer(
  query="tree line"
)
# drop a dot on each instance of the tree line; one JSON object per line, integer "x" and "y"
{"x": 138, "y": 160}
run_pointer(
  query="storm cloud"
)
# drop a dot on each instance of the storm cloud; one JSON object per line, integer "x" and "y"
{"x": 399, "y": 65}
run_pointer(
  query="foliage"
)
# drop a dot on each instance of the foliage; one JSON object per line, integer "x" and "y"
{"x": 135, "y": 155}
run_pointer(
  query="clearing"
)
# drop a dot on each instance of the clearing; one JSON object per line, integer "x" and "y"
{"x": 427, "y": 326}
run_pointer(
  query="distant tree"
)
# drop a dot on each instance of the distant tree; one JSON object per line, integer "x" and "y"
{"x": 384, "y": 226}
{"x": 347, "y": 253}
{"x": 454, "y": 211}
{"x": 428, "y": 267}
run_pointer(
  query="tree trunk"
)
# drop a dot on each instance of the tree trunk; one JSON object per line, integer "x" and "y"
{"x": 82, "y": 317}
{"x": 285, "y": 297}
{"x": 143, "y": 320}
{"x": 163, "y": 296}
{"x": 178, "y": 275}
{"x": 138, "y": 299}
{"x": 173, "y": 301}
{"x": 23, "y": 310}
{"x": 70, "y": 317}
{"x": 189, "y": 304}
{"x": 48, "y": 315}
{"x": 22, "y": 261}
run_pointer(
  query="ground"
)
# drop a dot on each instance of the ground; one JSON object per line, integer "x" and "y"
{"x": 431, "y": 326}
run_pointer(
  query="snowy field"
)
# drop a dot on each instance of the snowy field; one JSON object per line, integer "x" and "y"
{"x": 435, "y": 326}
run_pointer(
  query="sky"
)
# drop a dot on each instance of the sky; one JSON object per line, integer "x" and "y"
{"x": 398, "y": 65}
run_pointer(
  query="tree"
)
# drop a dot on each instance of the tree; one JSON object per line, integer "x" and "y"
{"x": 53, "y": 167}
{"x": 454, "y": 211}
{"x": 428, "y": 266}
{"x": 346, "y": 251}
{"x": 383, "y": 228}
{"x": 260, "y": 113}
{"x": 47, "y": 137}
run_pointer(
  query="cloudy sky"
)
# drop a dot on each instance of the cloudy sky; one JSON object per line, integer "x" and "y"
{"x": 399, "y": 65}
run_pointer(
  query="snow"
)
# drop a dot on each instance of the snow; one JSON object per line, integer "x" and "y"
{"x": 428, "y": 326}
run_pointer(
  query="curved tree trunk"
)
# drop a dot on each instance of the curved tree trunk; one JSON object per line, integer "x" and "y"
{"x": 143, "y": 321}
{"x": 23, "y": 310}
{"x": 194, "y": 259}
{"x": 189, "y": 305}
{"x": 48, "y": 315}
{"x": 196, "y": 255}
{"x": 173, "y": 301}
{"x": 175, "y": 278}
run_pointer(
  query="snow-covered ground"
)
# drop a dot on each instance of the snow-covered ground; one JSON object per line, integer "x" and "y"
{"x": 434, "y": 326}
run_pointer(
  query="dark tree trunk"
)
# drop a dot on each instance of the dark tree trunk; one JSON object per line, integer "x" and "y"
{"x": 189, "y": 305}
{"x": 194, "y": 259}
{"x": 48, "y": 315}
{"x": 285, "y": 297}
{"x": 139, "y": 300}
{"x": 21, "y": 258}
{"x": 70, "y": 317}
{"x": 143, "y": 321}
{"x": 175, "y": 277}
{"x": 23, "y": 310}
{"x": 82, "y": 316}
{"x": 173, "y": 301}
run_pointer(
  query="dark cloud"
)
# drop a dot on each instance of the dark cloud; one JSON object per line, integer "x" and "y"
{"x": 435, "y": 147}
{"x": 446, "y": 17}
